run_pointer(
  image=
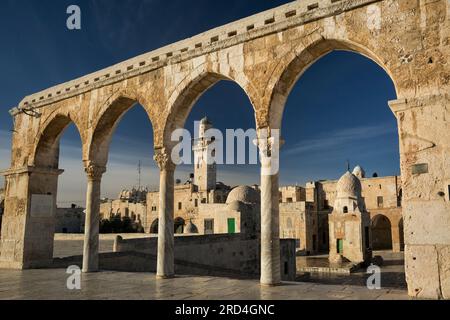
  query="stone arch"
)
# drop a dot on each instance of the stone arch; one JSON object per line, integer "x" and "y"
{"x": 109, "y": 117}
{"x": 46, "y": 151}
{"x": 381, "y": 233}
{"x": 179, "y": 224}
{"x": 189, "y": 91}
{"x": 294, "y": 64}
{"x": 154, "y": 227}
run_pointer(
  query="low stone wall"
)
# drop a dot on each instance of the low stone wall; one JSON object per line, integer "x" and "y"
{"x": 211, "y": 253}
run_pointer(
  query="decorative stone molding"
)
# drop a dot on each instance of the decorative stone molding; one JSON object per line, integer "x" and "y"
{"x": 163, "y": 160}
{"x": 94, "y": 172}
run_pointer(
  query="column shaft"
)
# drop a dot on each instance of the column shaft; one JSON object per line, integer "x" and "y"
{"x": 92, "y": 220}
{"x": 165, "y": 261}
{"x": 270, "y": 231}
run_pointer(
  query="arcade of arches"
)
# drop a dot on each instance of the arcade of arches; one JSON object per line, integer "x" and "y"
{"x": 265, "y": 54}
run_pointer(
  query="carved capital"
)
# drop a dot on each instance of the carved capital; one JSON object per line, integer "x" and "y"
{"x": 94, "y": 172}
{"x": 163, "y": 160}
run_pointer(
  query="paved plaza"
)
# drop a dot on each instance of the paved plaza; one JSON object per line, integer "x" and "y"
{"x": 106, "y": 285}
{"x": 51, "y": 285}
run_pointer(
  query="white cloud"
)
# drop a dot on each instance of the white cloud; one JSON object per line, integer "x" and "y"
{"x": 340, "y": 138}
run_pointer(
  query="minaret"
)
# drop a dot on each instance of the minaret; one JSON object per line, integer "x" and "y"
{"x": 204, "y": 173}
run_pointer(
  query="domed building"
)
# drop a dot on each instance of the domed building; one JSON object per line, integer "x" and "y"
{"x": 244, "y": 194}
{"x": 349, "y": 222}
{"x": 359, "y": 172}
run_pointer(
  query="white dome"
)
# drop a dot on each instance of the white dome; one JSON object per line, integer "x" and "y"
{"x": 244, "y": 194}
{"x": 359, "y": 172}
{"x": 348, "y": 186}
{"x": 190, "y": 228}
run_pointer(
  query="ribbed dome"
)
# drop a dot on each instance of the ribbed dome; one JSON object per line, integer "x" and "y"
{"x": 348, "y": 186}
{"x": 244, "y": 194}
{"x": 359, "y": 172}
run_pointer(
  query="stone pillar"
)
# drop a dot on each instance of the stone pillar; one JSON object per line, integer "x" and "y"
{"x": 29, "y": 218}
{"x": 165, "y": 260}
{"x": 92, "y": 222}
{"x": 424, "y": 132}
{"x": 395, "y": 232}
{"x": 270, "y": 217}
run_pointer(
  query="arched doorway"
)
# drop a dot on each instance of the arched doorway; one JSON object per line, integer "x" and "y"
{"x": 381, "y": 233}
{"x": 179, "y": 224}
{"x": 154, "y": 227}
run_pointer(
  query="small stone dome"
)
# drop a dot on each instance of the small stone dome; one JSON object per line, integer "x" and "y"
{"x": 190, "y": 228}
{"x": 359, "y": 172}
{"x": 244, "y": 194}
{"x": 236, "y": 206}
{"x": 348, "y": 186}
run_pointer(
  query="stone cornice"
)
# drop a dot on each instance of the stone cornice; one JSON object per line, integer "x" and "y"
{"x": 31, "y": 169}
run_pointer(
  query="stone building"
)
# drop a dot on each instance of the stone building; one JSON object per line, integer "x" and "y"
{"x": 349, "y": 223}
{"x": 70, "y": 220}
{"x": 131, "y": 204}
{"x": 2, "y": 206}
{"x": 304, "y": 212}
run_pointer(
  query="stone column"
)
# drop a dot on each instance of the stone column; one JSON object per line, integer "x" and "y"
{"x": 92, "y": 221}
{"x": 395, "y": 232}
{"x": 270, "y": 218}
{"x": 29, "y": 217}
{"x": 165, "y": 259}
{"x": 424, "y": 137}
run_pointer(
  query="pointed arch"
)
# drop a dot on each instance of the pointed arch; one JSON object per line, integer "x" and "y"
{"x": 111, "y": 112}
{"x": 190, "y": 90}
{"x": 47, "y": 145}
{"x": 295, "y": 63}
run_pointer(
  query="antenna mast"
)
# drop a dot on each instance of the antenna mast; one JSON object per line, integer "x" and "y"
{"x": 139, "y": 175}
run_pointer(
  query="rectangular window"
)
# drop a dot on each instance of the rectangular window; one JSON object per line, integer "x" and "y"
{"x": 180, "y": 206}
{"x": 196, "y": 202}
{"x": 209, "y": 226}
{"x": 289, "y": 200}
{"x": 380, "y": 202}
{"x": 449, "y": 193}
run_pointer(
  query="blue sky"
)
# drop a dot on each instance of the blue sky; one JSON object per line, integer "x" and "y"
{"x": 337, "y": 111}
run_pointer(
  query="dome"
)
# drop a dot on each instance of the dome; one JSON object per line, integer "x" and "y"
{"x": 244, "y": 194}
{"x": 359, "y": 172}
{"x": 348, "y": 186}
{"x": 236, "y": 206}
{"x": 190, "y": 228}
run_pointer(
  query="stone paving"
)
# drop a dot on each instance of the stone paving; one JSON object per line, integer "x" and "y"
{"x": 111, "y": 285}
{"x": 51, "y": 285}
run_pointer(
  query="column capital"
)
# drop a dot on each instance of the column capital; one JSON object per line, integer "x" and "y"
{"x": 94, "y": 172}
{"x": 163, "y": 159}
